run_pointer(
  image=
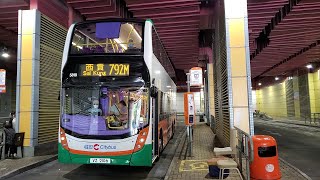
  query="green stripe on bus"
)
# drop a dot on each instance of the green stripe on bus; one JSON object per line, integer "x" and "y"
{"x": 142, "y": 157}
{"x": 63, "y": 154}
{"x": 150, "y": 21}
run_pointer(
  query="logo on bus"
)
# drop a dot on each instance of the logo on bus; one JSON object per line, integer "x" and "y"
{"x": 97, "y": 147}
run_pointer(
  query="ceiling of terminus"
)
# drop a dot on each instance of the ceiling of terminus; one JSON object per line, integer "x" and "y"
{"x": 283, "y": 34}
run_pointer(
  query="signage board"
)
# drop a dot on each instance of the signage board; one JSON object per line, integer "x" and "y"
{"x": 2, "y": 80}
{"x": 189, "y": 108}
{"x": 196, "y": 78}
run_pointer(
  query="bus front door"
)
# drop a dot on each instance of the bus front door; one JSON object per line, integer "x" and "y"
{"x": 155, "y": 122}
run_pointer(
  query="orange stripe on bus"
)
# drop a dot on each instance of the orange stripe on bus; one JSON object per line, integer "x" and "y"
{"x": 116, "y": 153}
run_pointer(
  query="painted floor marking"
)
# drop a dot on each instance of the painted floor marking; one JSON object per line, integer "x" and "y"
{"x": 193, "y": 165}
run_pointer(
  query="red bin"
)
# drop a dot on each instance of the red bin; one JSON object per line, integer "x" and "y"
{"x": 265, "y": 165}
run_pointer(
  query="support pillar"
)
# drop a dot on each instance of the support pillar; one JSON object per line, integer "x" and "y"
{"x": 238, "y": 64}
{"x": 27, "y": 104}
{"x": 211, "y": 110}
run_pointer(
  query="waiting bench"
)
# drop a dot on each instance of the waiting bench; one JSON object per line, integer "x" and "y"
{"x": 226, "y": 164}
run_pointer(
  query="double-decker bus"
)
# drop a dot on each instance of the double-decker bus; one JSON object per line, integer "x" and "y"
{"x": 117, "y": 94}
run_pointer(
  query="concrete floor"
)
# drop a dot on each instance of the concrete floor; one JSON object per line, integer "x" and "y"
{"x": 56, "y": 171}
{"x": 298, "y": 145}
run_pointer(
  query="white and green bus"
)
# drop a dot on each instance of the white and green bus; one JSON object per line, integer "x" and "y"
{"x": 117, "y": 94}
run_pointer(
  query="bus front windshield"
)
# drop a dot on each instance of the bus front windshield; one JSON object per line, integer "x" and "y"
{"x": 99, "y": 112}
{"x": 107, "y": 37}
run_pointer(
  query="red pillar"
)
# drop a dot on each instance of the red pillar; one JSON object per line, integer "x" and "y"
{"x": 34, "y": 4}
{"x": 71, "y": 15}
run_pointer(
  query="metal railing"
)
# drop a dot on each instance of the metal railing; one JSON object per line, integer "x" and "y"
{"x": 185, "y": 149}
{"x": 2, "y": 144}
{"x": 244, "y": 151}
{"x": 313, "y": 119}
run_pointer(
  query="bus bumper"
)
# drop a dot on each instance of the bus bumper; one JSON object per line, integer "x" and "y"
{"x": 140, "y": 158}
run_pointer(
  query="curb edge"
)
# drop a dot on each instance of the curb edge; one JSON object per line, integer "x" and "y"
{"x": 296, "y": 169}
{"x": 27, "y": 168}
{"x": 175, "y": 157}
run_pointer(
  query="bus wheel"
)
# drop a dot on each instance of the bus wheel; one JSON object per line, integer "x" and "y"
{"x": 161, "y": 143}
{"x": 172, "y": 129}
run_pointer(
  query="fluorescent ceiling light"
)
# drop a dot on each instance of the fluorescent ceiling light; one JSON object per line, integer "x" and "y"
{"x": 259, "y": 84}
{"x": 276, "y": 78}
{"x": 158, "y": 72}
{"x": 168, "y": 86}
{"x": 5, "y": 55}
{"x": 309, "y": 66}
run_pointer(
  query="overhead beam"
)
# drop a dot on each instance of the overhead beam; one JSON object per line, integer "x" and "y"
{"x": 305, "y": 49}
{"x": 262, "y": 41}
{"x": 86, "y": 4}
{"x": 139, "y": 8}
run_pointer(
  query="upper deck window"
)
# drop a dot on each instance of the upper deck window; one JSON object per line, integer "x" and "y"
{"x": 107, "y": 37}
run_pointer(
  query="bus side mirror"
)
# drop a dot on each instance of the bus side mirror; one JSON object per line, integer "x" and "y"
{"x": 154, "y": 92}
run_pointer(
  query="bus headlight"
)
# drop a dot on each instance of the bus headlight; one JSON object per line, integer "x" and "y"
{"x": 63, "y": 139}
{"x": 141, "y": 140}
{"x": 144, "y": 133}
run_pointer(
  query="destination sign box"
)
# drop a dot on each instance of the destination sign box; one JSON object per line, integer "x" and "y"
{"x": 104, "y": 69}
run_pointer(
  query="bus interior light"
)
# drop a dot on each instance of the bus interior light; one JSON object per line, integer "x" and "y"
{"x": 121, "y": 44}
{"x": 66, "y": 120}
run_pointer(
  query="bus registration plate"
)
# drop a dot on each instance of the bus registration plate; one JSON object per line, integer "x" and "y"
{"x": 100, "y": 160}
